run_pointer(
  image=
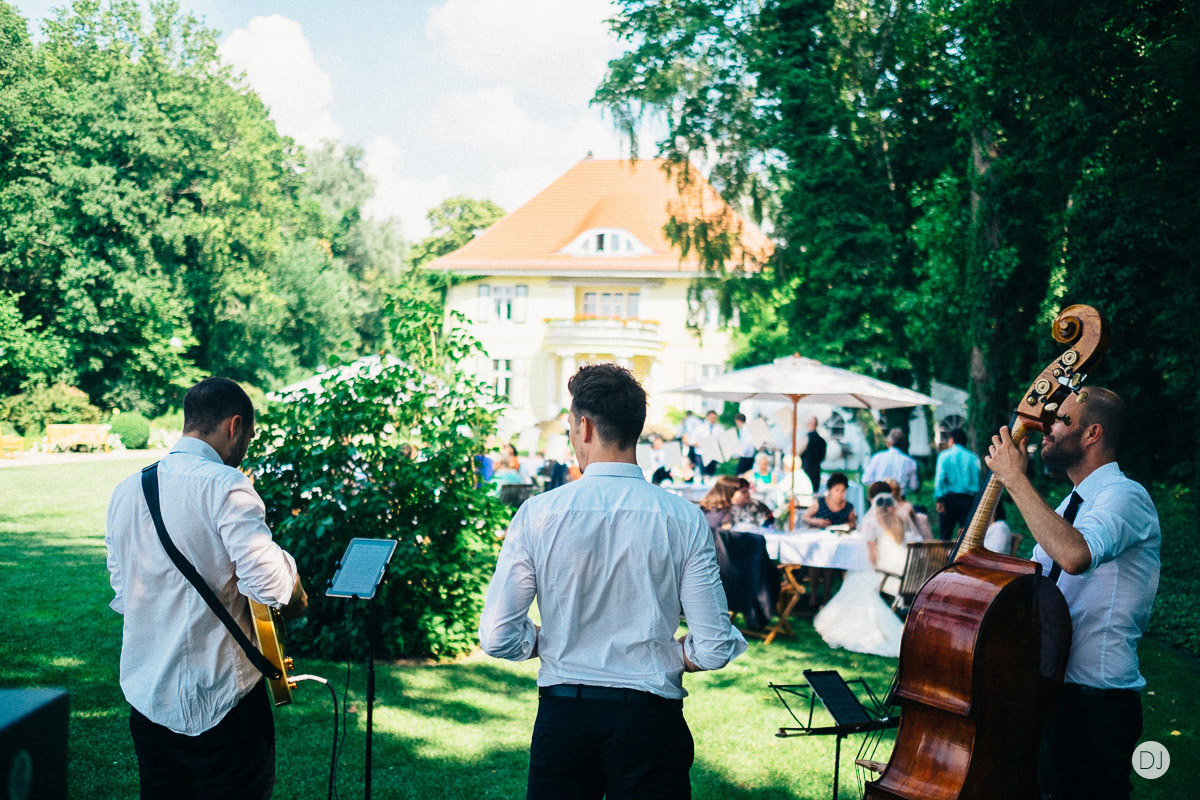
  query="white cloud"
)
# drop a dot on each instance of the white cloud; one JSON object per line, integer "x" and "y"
{"x": 280, "y": 66}
{"x": 397, "y": 194}
{"x": 544, "y": 47}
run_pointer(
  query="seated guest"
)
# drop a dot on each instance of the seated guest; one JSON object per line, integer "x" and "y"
{"x": 762, "y": 476}
{"x": 800, "y": 481}
{"x": 914, "y": 519}
{"x": 656, "y": 462}
{"x": 718, "y": 501}
{"x": 507, "y": 467}
{"x": 833, "y": 508}
{"x": 999, "y": 537}
{"x": 684, "y": 472}
{"x": 748, "y": 511}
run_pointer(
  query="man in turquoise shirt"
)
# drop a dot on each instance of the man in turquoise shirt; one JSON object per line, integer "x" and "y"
{"x": 955, "y": 483}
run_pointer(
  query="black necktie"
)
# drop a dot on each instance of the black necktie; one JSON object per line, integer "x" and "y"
{"x": 1069, "y": 515}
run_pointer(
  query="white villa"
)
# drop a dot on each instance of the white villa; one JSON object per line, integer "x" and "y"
{"x": 584, "y": 273}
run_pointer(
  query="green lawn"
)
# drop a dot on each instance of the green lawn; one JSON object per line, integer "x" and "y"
{"x": 449, "y": 730}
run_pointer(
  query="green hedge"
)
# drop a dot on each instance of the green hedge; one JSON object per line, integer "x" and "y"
{"x": 330, "y": 466}
{"x": 133, "y": 428}
{"x": 33, "y": 410}
{"x": 1176, "y": 617}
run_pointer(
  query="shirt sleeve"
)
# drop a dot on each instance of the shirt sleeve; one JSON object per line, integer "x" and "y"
{"x": 505, "y": 629}
{"x": 265, "y": 572}
{"x": 113, "y": 560}
{"x": 711, "y": 641}
{"x": 1116, "y": 522}
{"x": 939, "y": 476}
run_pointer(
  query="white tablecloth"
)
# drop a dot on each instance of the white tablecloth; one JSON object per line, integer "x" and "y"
{"x": 688, "y": 491}
{"x": 817, "y": 548}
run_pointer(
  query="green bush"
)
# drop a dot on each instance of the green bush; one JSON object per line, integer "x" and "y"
{"x": 133, "y": 428}
{"x": 1176, "y": 617}
{"x": 329, "y": 467}
{"x": 33, "y": 410}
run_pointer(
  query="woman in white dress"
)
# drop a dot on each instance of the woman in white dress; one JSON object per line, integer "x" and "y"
{"x": 857, "y": 618}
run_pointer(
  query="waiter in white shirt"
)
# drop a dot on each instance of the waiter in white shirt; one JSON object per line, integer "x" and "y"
{"x": 613, "y": 562}
{"x": 1102, "y": 548}
{"x": 200, "y": 716}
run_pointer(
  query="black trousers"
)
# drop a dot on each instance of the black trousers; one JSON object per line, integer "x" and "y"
{"x": 744, "y": 465}
{"x": 957, "y": 506}
{"x": 1087, "y": 748}
{"x": 814, "y": 477}
{"x": 234, "y": 759}
{"x": 588, "y": 749}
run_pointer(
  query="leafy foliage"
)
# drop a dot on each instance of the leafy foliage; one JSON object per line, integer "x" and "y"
{"x": 133, "y": 428}
{"x": 943, "y": 178}
{"x": 453, "y": 223}
{"x": 157, "y": 225}
{"x": 331, "y": 465}
{"x": 31, "y": 411}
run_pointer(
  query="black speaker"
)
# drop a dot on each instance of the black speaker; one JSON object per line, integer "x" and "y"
{"x": 33, "y": 744}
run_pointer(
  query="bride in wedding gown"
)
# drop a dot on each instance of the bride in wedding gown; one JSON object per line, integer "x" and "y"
{"x": 857, "y": 618}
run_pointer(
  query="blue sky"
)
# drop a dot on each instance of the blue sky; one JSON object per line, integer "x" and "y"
{"x": 481, "y": 97}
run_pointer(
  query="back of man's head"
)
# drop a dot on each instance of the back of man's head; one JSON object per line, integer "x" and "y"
{"x": 212, "y": 401}
{"x": 613, "y": 400}
{"x": 958, "y": 436}
{"x": 1105, "y": 408}
{"x": 896, "y": 438}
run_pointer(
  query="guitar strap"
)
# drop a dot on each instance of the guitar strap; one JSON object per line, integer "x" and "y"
{"x": 150, "y": 490}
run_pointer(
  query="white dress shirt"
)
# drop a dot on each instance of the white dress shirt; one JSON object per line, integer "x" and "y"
{"x": 179, "y": 665}
{"x": 1111, "y": 602}
{"x": 892, "y": 463}
{"x": 612, "y": 561}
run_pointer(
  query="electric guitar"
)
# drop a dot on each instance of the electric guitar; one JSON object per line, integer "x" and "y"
{"x": 269, "y": 630}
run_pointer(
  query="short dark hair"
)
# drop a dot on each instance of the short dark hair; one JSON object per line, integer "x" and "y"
{"x": 958, "y": 436}
{"x": 896, "y": 438}
{"x": 739, "y": 417}
{"x": 1105, "y": 408}
{"x": 836, "y": 478}
{"x": 614, "y": 401}
{"x": 212, "y": 401}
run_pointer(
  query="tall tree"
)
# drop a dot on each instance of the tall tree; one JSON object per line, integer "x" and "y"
{"x": 454, "y": 222}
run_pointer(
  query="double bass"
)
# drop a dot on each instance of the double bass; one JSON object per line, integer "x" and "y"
{"x": 986, "y": 641}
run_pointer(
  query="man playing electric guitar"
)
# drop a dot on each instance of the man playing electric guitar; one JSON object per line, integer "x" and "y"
{"x": 201, "y": 722}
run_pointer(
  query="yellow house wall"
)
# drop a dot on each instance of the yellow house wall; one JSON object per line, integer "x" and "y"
{"x": 540, "y": 392}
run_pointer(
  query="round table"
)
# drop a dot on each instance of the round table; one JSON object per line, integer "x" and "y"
{"x": 816, "y": 548}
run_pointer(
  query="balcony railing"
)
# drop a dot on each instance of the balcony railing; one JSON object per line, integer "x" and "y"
{"x": 587, "y": 334}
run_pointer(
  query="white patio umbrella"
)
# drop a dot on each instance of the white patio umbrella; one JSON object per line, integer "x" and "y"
{"x": 795, "y": 378}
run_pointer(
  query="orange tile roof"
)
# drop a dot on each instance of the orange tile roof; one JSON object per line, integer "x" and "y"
{"x": 638, "y": 197}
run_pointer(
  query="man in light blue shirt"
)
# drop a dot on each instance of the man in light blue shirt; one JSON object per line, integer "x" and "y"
{"x": 893, "y": 463}
{"x": 955, "y": 483}
{"x": 613, "y": 562}
{"x": 1106, "y": 541}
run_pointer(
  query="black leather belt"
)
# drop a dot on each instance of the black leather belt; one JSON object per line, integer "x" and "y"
{"x": 576, "y": 691}
{"x": 1092, "y": 691}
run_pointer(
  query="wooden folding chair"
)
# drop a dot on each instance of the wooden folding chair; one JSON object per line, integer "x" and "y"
{"x": 791, "y": 589}
{"x": 924, "y": 559}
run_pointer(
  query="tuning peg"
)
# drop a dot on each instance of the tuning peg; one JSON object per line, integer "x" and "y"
{"x": 287, "y": 663}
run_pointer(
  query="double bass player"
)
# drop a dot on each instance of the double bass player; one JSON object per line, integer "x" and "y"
{"x": 1101, "y": 545}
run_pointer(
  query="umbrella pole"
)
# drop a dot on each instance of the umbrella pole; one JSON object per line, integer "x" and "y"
{"x": 792, "y": 501}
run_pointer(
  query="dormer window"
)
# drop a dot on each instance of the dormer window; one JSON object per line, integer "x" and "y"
{"x": 606, "y": 242}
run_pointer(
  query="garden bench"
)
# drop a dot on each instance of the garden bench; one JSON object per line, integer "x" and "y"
{"x": 69, "y": 436}
{"x": 11, "y": 446}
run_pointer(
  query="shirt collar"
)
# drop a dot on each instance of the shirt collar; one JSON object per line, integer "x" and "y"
{"x": 1099, "y": 477}
{"x": 613, "y": 469}
{"x": 196, "y": 447}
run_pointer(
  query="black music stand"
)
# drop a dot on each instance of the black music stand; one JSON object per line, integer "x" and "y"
{"x": 358, "y": 575}
{"x": 849, "y": 714}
